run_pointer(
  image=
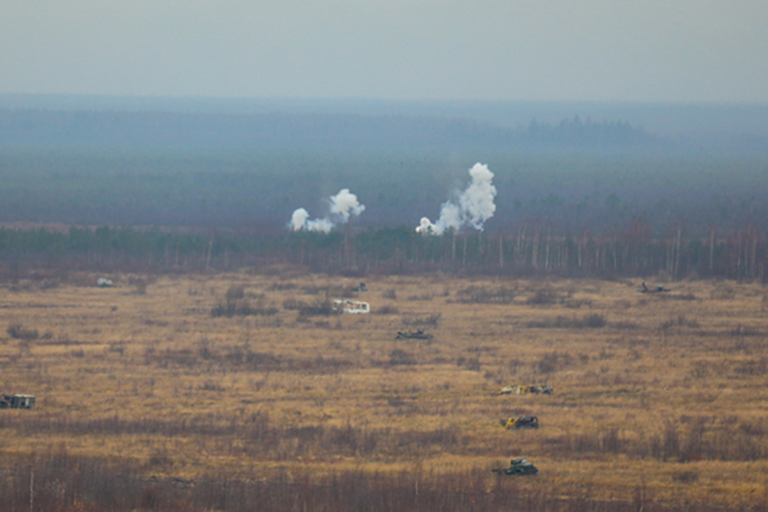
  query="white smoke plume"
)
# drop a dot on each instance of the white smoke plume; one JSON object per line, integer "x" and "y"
{"x": 345, "y": 204}
{"x": 342, "y": 206}
{"x": 472, "y": 207}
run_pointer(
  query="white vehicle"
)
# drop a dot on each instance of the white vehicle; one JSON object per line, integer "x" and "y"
{"x": 353, "y": 307}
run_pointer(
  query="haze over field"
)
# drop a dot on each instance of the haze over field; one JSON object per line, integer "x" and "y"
{"x": 590, "y": 114}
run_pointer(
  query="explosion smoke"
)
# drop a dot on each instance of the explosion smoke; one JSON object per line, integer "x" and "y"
{"x": 342, "y": 206}
{"x": 472, "y": 208}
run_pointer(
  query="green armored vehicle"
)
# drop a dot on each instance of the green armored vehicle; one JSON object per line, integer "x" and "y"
{"x": 411, "y": 335}
{"x": 519, "y": 466}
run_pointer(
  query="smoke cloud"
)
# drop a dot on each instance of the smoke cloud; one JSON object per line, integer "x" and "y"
{"x": 470, "y": 209}
{"x": 342, "y": 206}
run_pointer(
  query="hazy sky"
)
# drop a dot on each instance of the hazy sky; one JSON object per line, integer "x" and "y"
{"x": 626, "y": 50}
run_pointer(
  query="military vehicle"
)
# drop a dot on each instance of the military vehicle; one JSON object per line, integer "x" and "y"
{"x": 413, "y": 335}
{"x": 353, "y": 307}
{"x": 519, "y": 466}
{"x": 17, "y": 402}
{"x": 658, "y": 289}
{"x": 520, "y": 422}
{"x": 536, "y": 389}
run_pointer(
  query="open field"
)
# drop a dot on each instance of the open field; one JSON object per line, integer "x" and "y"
{"x": 663, "y": 392}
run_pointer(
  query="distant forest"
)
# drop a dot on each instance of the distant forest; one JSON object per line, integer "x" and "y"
{"x": 305, "y": 131}
{"x": 212, "y": 190}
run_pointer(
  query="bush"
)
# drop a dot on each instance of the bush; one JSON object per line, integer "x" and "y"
{"x": 241, "y": 307}
{"x": 479, "y": 295}
{"x": 553, "y": 361}
{"x": 744, "y": 330}
{"x": 319, "y": 308}
{"x": 140, "y": 284}
{"x": 235, "y": 293}
{"x": 17, "y": 331}
{"x": 432, "y": 319}
{"x": 401, "y": 357}
{"x": 543, "y": 296}
{"x": 593, "y": 321}
{"x": 685, "y": 477}
{"x": 471, "y": 363}
{"x": 423, "y": 296}
{"x": 294, "y": 304}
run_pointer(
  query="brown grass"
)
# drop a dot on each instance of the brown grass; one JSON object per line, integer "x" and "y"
{"x": 652, "y": 394}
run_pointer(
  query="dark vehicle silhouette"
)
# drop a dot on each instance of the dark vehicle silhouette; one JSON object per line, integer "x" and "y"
{"x": 413, "y": 335}
{"x": 519, "y": 466}
{"x": 520, "y": 422}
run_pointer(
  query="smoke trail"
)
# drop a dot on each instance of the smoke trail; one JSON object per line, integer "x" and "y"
{"x": 472, "y": 208}
{"x": 342, "y": 206}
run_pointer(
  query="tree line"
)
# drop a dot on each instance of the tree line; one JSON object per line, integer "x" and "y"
{"x": 302, "y": 130}
{"x": 532, "y": 248}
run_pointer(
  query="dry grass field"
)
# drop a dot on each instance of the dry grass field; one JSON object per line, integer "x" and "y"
{"x": 664, "y": 392}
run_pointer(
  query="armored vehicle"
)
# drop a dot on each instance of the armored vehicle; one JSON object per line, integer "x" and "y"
{"x": 520, "y": 422}
{"x": 519, "y": 466}
{"x": 413, "y": 335}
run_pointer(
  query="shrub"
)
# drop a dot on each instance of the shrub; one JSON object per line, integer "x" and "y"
{"x": 160, "y": 458}
{"x": 577, "y": 303}
{"x": 319, "y": 308}
{"x": 471, "y": 363}
{"x": 432, "y": 319}
{"x": 241, "y": 307}
{"x": 17, "y": 331}
{"x": 553, "y": 361}
{"x": 235, "y": 293}
{"x": 744, "y": 330}
{"x": 140, "y": 284}
{"x": 722, "y": 293}
{"x": 401, "y": 357}
{"x": 543, "y": 296}
{"x": 685, "y": 477}
{"x": 211, "y": 386}
{"x": 594, "y": 320}
{"x": 277, "y": 287}
{"x": 294, "y": 304}
{"x": 752, "y": 367}
{"x": 479, "y": 295}
{"x": 680, "y": 321}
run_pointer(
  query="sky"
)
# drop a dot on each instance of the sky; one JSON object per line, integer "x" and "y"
{"x": 519, "y": 50}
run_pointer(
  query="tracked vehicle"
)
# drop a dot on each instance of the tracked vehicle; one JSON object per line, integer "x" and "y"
{"x": 519, "y": 466}
{"x": 520, "y": 422}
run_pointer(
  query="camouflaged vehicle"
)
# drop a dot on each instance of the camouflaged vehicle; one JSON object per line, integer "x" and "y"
{"x": 519, "y": 466}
